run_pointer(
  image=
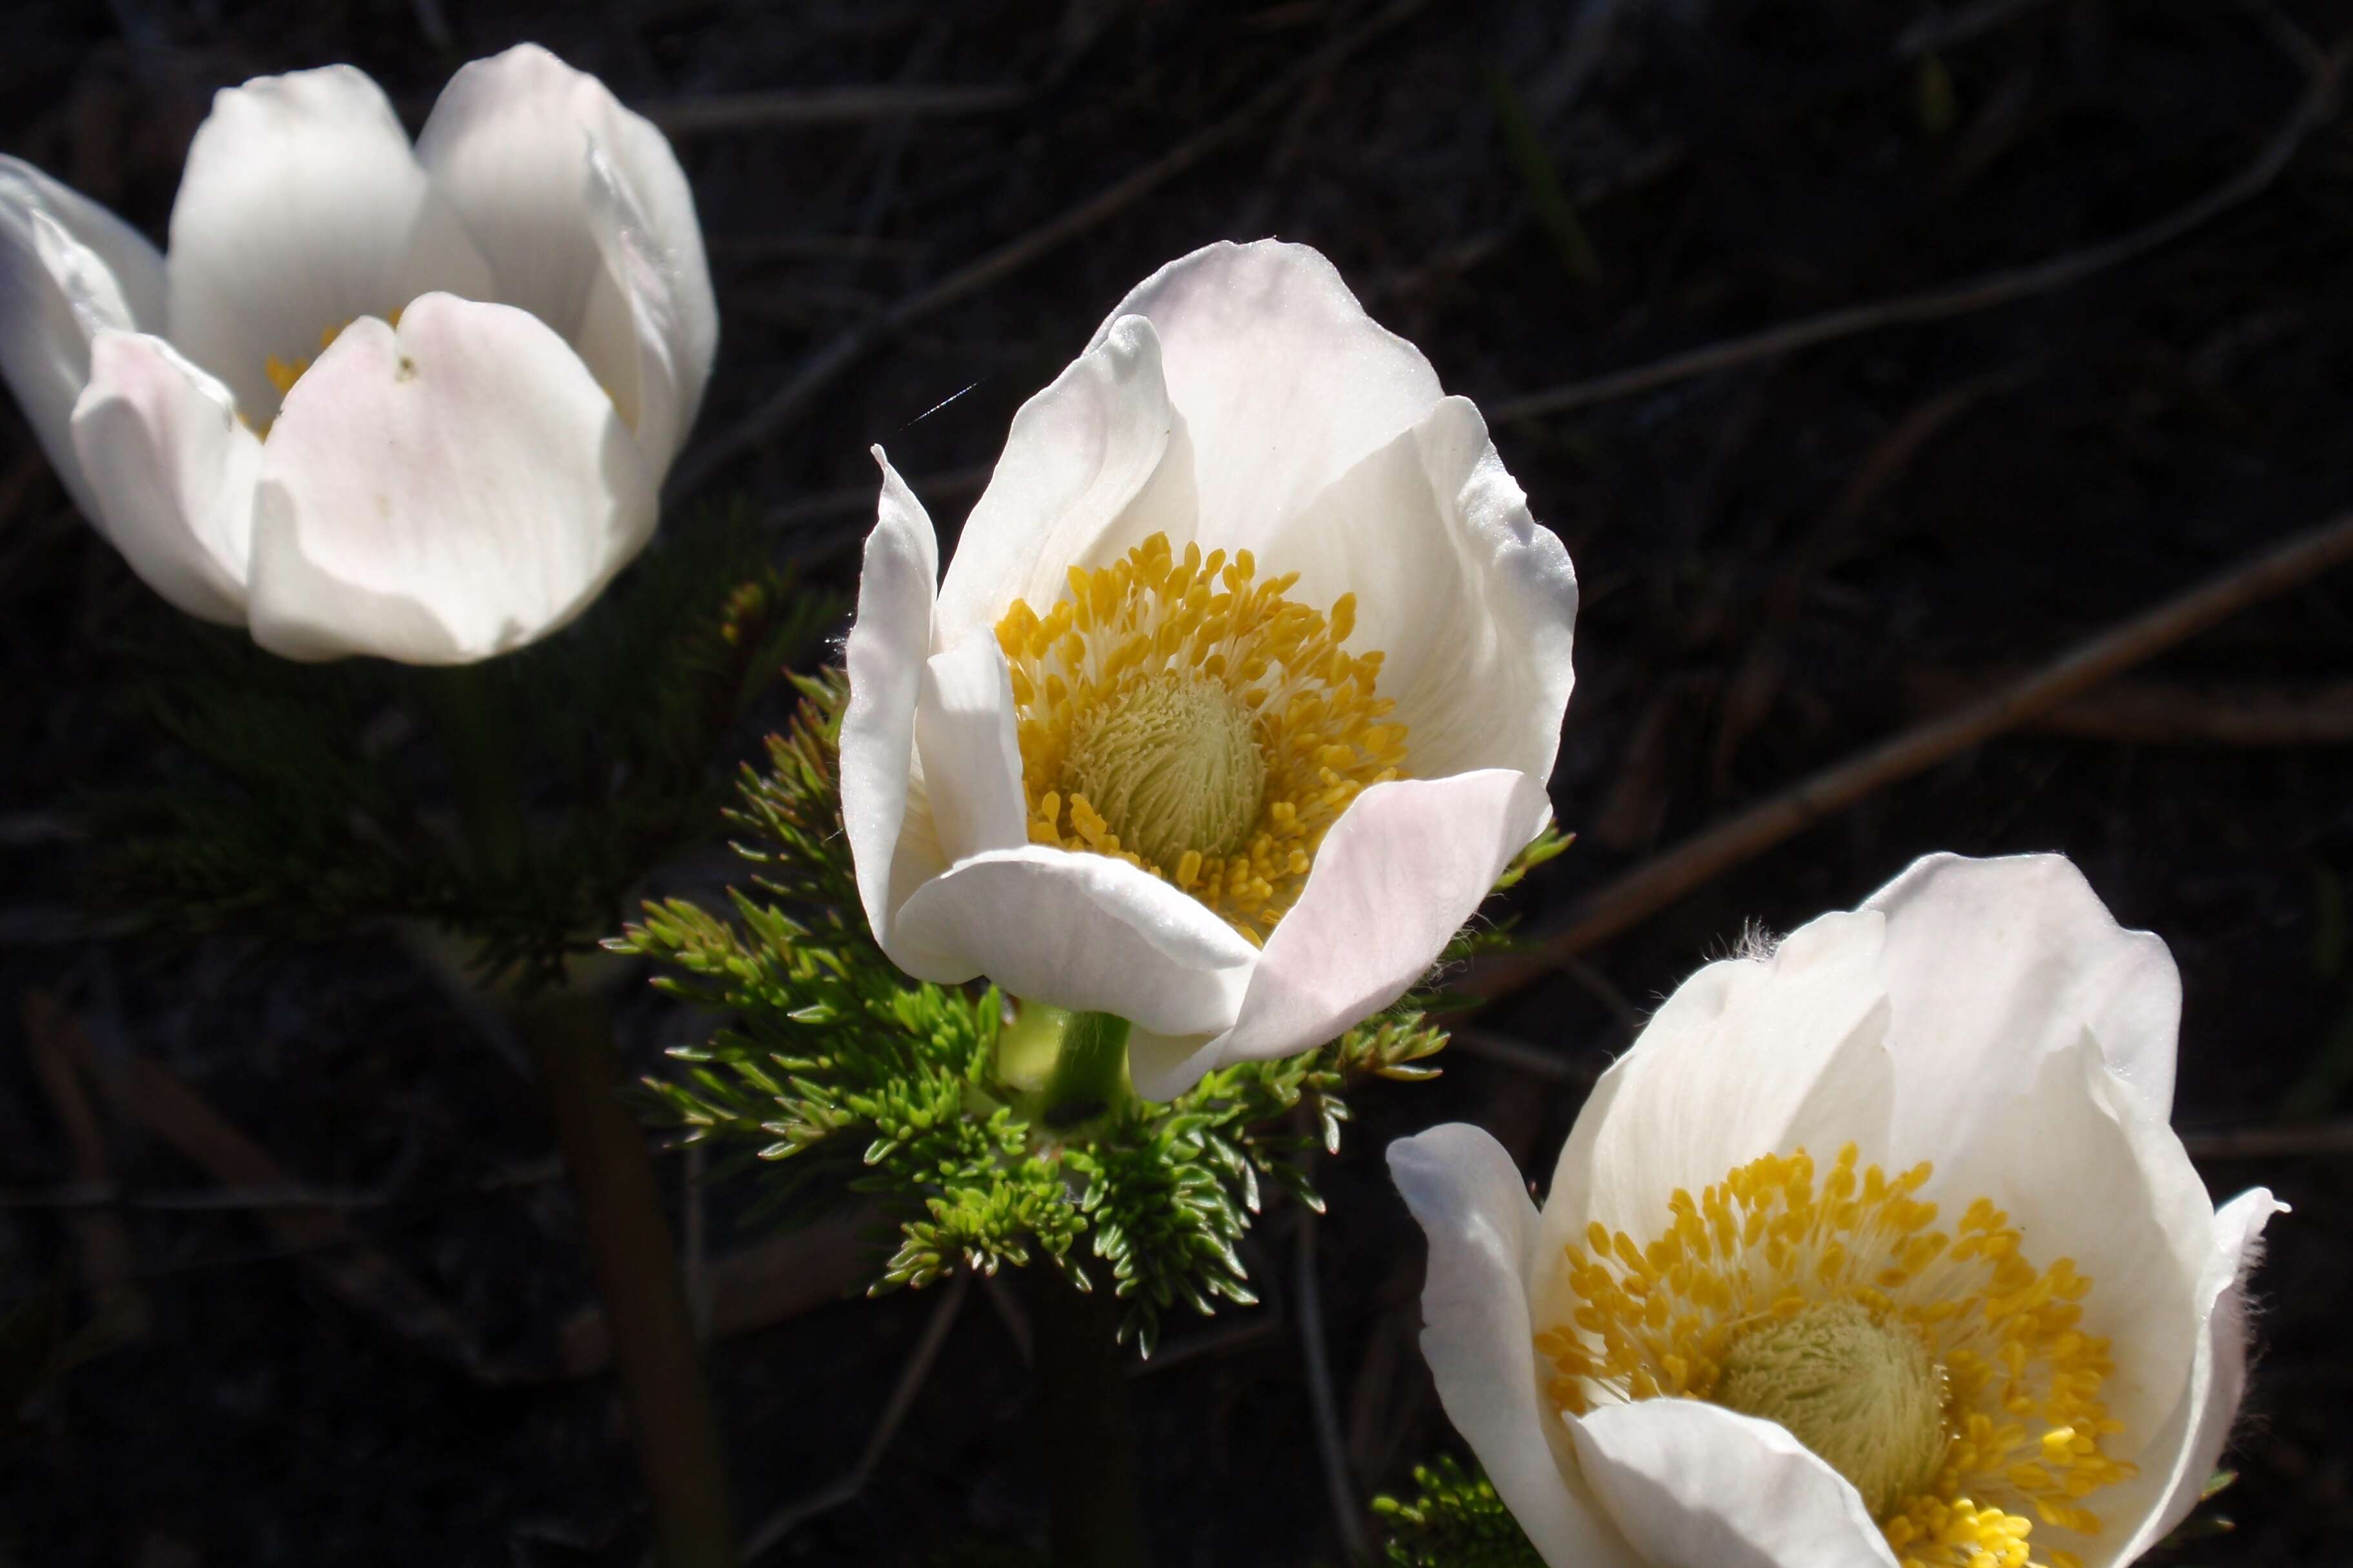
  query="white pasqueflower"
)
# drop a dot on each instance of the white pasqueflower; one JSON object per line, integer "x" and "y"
{"x": 1251, "y": 626}
{"x": 413, "y": 402}
{"x": 1875, "y": 1251}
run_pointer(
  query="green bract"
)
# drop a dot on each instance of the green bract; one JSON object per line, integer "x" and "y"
{"x": 1454, "y": 1520}
{"x": 513, "y": 806}
{"x": 835, "y": 1066}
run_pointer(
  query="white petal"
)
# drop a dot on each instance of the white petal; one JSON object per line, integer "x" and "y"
{"x": 637, "y": 320}
{"x": 1697, "y": 1485}
{"x": 1082, "y": 932}
{"x": 1162, "y": 1067}
{"x": 2175, "y": 1470}
{"x": 301, "y": 209}
{"x": 667, "y": 232}
{"x": 442, "y": 492}
{"x": 1283, "y": 380}
{"x": 1079, "y": 455}
{"x": 1473, "y": 606}
{"x": 171, "y": 473}
{"x": 966, "y": 734}
{"x": 1463, "y": 1188}
{"x": 129, "y": 289}
{"x": 1993, "y": 965}
{"x": 2084, "y": 1177}
{"x": 69, "y": 270}
{"x": 1396, "y": 876}
{"x": 587, "y": 222}
{"x": 889, "y": 641}
{"x": 1749, "y": 1056}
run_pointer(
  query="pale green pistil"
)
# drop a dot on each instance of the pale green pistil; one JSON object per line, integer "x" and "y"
{"x": 1172, "y": 763}
{"x": 1861, "y": 1393}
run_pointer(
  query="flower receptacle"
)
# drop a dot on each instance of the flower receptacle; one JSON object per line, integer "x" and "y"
{"x": 1064, "y": 1071}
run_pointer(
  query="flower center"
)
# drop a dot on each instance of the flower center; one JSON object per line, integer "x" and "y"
{"x": 1856, "y": 1389}
{"x": 1184, "y": 716}
{"x": 1942, "y": 1374}
{"x": 1172, "y": 762}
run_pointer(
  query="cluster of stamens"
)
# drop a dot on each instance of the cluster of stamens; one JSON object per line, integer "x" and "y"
{"x": 1182, "y": 715}
{"x": 1764, "y": 1277}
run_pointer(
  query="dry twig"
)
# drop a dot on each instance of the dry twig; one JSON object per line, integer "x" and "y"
{"x": 2189, "y": 713}
{"x": 820, "y": 369}
{"x": 1657, "y": 883}
{"x": 108, "y": 1266}
{"x": 2292, "y": 1142}
{"x": 103, "y": 1194}
{"x": 1758, "y": 675}
{"x": 2312, "y": 110}
{"x": 1518, "y": 1054}
{"x": 1340, "y": 1488}
{"x": 748, "y": 1289}
{"x": 145, "y": 1091}
{"x": 911, "y": 1377}
{"x": 722, "y": 112}
{"x": 1943, "y": 29}
{"x": 858, "y": 502}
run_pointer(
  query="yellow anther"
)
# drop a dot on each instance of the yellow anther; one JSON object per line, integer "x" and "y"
{"x": 1826, "y": 1255}
{"x": 1171, "y": 651}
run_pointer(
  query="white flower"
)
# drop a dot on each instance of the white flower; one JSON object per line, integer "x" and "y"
{"x": 410, "y": 401}
{"x": 1899, "y": 1211}
{"x": 1250, "y": 626}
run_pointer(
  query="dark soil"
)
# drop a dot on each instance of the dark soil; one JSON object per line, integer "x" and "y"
{"x": 1783, "y": 563}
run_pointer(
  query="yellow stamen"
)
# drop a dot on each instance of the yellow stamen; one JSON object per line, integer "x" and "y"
{"x": 1185, "y": 716}
{"x": 1768, "y": 1281}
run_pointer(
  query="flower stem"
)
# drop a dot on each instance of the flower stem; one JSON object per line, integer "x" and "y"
{"x": 1097, "y": 1520}
{"x": 568, "y": 1033}
{"x": 1069, "y": 1068}
{"x": 570, "y": 1037}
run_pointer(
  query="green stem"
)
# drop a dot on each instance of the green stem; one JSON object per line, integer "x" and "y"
{"x": 1090, "y": 1075}
{"x": 1064, "y": 1068}
{"x": 1097, "y": 1519}
{"x": 628, "y": 1243}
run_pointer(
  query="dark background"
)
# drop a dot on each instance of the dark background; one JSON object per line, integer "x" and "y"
{"x": 1783, "y": 562}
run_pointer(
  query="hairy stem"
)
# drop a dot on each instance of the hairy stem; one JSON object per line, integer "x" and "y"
{"x": 1089, "y": 1076}
{"x": 630, "y": 1256}
{"x": 1097, "y": 1520}
{"x": 1066, "y": 1069}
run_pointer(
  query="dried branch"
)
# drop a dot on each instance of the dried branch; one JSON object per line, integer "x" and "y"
{"x": 2311, "y": 111}
{"x": 103, "y": 1194}
{"x": 1518, "y": 1054}
{"x": 721, "y": 112}
{"x": 2291, "y": 1141}
{"x": 1941, "y": 29}
{"x": 911, "y": 1377}
{"x": 820, "y": 369}
{"x": 143, "y": 1091}
{"x": 751, "y": 1289}
{"x": 857, "y": 502}
{"x": 1339, "y": 1487}
{"x": 109, "y": 1265}
{"x": 1652, "y": 887}
{"x": 2189, "y": 713}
